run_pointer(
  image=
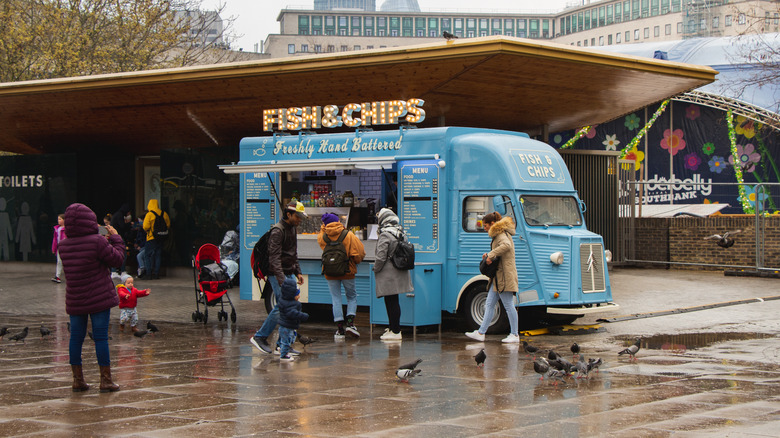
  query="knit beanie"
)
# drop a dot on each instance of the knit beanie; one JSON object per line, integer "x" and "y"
{"x": 328, "y": 218}
{"x": 384, "y": 214}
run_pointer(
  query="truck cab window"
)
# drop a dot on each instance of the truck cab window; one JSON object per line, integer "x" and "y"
{"x": 550, "y": 210}
{"x": 476, "y": 207}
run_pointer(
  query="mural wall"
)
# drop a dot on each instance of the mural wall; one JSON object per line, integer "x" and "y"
{"x": 690, "y": 143}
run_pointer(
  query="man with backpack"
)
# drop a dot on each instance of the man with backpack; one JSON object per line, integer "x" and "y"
{"x": 282, "y": 264}
{"x": 341, "y": 253}
{"x": 156, "y": 225}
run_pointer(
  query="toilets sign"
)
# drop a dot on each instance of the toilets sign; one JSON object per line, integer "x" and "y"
{"x": 21, "y": 181}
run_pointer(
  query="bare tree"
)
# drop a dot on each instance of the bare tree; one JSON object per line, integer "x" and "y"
{"x": 42, "y": 39}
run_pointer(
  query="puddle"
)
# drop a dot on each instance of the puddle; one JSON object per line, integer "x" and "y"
{"x": 692, "y": 341}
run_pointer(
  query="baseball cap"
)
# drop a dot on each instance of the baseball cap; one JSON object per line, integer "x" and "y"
{"x": 297, "y": 208}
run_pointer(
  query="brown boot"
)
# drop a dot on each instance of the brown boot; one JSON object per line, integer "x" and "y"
{"x": 79, "y": 384}
{"x": 133, "y": 328}
{"x": 106, "y": 385}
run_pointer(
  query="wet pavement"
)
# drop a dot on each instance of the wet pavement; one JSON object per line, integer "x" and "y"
{"x": 708, "y": 373}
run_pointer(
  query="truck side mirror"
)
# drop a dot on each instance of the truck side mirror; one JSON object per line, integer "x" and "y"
{"x": 583, "y": 207}
{"x": 499, "y": 205}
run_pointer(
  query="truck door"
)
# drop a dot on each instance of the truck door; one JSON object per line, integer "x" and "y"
{"x": 419, "y": 207}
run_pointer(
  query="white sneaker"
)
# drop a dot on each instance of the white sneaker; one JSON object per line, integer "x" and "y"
{"x": 390, "y": 336}
{"x": 511, "y": 339}
{"x": 476, "y": 335}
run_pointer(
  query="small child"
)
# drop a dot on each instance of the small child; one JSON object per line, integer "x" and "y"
{"x": 128, "y": 300}
{"x": 59, "y": 234}
{"x": 290, "y": 317}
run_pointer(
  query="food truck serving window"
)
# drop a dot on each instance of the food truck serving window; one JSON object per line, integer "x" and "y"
{"x": 550, "y": 210}
{"x": 476, "y": 207}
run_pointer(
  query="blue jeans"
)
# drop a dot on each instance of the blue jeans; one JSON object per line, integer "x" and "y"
{"x": 335, "y": 297}
{"x": 141, "y": 258}
{"x": 273, "y": 318}
{"x": 286, "y": 339}
{"x": 153, "y": 255}
{"x": 507, "y": 299}
{"x": 78, "y": 331}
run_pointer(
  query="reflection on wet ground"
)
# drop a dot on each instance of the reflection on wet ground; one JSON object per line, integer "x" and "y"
{"x": 191, "y": 378}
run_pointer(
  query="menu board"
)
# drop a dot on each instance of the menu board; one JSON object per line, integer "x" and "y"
{"x": 419, "y": 181}
{"x": 259, "y": 211}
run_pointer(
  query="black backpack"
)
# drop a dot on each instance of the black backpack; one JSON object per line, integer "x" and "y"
{"x": 159, "y": 227}
{"x": 259, "y": 259}
{"x": 402, "y": 255}
{"x": 335, "y": 261}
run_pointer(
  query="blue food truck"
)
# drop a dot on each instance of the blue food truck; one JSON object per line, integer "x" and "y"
{"x": 440, "y": 182}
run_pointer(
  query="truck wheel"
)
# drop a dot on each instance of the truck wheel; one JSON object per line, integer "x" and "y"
{"x": 269, "y": 298}
{"x": 537, "y": 317}
{"x": 472, "y": 310}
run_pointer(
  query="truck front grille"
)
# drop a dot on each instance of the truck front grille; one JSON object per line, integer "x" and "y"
{"x": 592, "y": 267}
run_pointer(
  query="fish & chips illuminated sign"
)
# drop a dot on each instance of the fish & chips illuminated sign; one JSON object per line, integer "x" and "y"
{"x": 352, "y": 115}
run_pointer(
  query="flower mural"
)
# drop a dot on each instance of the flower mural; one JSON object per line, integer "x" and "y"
{"x": 692, "y": 112}
{"x": 717, "y": 164}
{"x": 752, "y": 196}
{"x": 611, "y": 142}
{"x": 636, "y": 155}
{"x": 746, "y": 157}
{"x": 673, "y": 141}
{"x": 632, "y": 122}
{"x": 692, "y": 161}
{"x": 591, "y": 132}
{"x": 745, "y": 127}
{"x": 708, "y": 148}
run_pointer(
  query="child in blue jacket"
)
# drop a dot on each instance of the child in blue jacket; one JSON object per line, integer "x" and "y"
{"x": 290, "y": 318}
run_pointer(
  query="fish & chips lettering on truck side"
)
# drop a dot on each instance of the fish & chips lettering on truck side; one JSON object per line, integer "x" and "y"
{"x": 442, "y": 181}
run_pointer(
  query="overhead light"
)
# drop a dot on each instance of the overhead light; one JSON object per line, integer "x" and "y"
{"x": 556, "y": 258}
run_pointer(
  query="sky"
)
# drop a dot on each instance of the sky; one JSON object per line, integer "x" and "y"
{"x": 255, "y": 19}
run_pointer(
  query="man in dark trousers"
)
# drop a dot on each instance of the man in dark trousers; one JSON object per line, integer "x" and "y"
{"x": 283, "y": 263}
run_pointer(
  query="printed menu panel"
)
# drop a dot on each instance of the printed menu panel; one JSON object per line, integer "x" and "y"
{"x": 259, "y": 212}
{"x": 419, "y": 181}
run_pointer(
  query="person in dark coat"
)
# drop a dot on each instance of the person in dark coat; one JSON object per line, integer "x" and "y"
{"x": 87, "y": 259}
{"x": 122, "y": 221}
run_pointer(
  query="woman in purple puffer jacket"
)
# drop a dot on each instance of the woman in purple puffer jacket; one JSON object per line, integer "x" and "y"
{"x": 87, "y": 259}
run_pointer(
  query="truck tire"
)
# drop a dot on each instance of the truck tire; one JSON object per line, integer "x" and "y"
{"x": 537, "y": 317}
{"x": 472, "y": 310}
{"x": 268, "y": 298}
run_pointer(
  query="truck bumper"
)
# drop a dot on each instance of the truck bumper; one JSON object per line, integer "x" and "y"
{"x": 595, "y": 308}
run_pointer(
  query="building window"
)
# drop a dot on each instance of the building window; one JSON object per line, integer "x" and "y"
{"x": 679, "y": 27}
{"x": 458, "y": 23}
{"x": 636, "y": 34}
{"x": 483, "y": 23}
{"x": 601, "y": 40}
{"x": 647, "y": 32}
{"x": 727, "y": 20}
{"x": 369, "y": 47}
{"x": 471, "y": 23}
{"x": 741, "y": 19}
{"x": 433, "y": 33}
{"x": 317, "y": 48}
{"x": 355, "y": 32}
{"x": 355, "y": 47}
{"x": 344, "y": 48}
{"x": 369, "y": 21}
{"x": 369, "y": 32}
{"x": 470, "y": 34}
{"x": 628, "y": 35}
{"x": 291, "y": 49}
{"x": 356, "y": 21}
{"x": 420, "y": 32}
{"x": 585, "y": 43}
{"x": 342, "y": 21}
{"x": 656, "y": 31}
{"x": 715, "y": 22}
{"x": 459, "y": 33}
{"x": 509, "y": 23}
{"x": 593, "y": 41}
{"x": 304, "y": 48}
{"x": 482, "y": 33}
{"x": 329, "y": 20}
{"x": 617, "y": 38}
{"x": 392, "y": 33}
{"x": 343, "y": 32}
{"x": 381, "y": 21}
{"x": 777, "y": 19}
{"x": 668, "y": 29}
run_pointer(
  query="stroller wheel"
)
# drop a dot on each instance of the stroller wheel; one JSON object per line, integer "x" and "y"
{"x": 224, "y": 315}
{"x": 219, "y": 316}
{"x": 232, "y": 316}
{"x": 194, "y": 316}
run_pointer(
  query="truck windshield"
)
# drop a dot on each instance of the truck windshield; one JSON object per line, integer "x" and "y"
{"x": 551, "y": 210}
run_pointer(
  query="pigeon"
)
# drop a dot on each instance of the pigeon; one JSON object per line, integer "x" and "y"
{"x": 20, "y": 336}
{"x": 553, "y": 355}
{"x": 44, "y": 331}
{"x": 594, "y": 364}
{"x": 575, "y": 349}
{"x": 556, "y": 375}
{"x": 541, "y": 368}
{"x": 561, "y": 364}
{"x": 140, "y": 333}
{"x": 407, "y": 371}
{"x": 151, "y": 327}
{"x": 448, "y": 36}
{"x": 3, "y": 332}
{"x": 724, "y": 241}
{"x": 89, "y": 333}
{"x": 581, "y": 367}
{"x": 632, "y": 350}
{"x": 530, "y": 349}
{"x": 480, "y": 358}
{"x": 306, "y": 340}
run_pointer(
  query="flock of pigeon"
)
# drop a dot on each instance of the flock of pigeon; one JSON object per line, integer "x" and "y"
{"x": 45, "y": 331}
{"x": 554, "y": 366}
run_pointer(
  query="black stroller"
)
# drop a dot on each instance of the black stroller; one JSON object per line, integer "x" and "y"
{"x": 211, "y": 284}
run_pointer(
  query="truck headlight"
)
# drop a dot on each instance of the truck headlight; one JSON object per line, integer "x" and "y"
{"x": 608, "y": 255}
{"x": 557, "y": 258}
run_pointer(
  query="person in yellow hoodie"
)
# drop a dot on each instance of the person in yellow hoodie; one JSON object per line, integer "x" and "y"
{"x": 332, "y": 227}
{"x": 153, "y": 247}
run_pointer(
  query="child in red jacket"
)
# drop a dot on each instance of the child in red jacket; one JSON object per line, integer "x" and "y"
{"x": 128, "y": 300}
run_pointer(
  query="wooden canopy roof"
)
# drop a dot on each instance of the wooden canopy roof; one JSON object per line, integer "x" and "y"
{"x": 492, "y": 82}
